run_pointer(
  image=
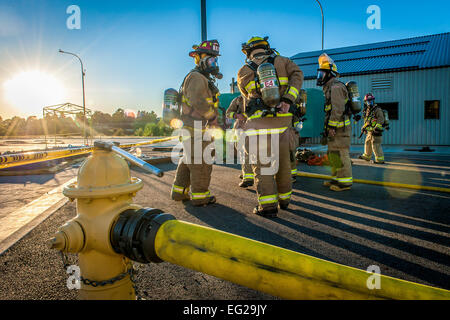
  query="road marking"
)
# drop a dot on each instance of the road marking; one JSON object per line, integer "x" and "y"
{"x": 17, "y": 224}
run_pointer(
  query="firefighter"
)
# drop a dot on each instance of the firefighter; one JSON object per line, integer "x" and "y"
{"x": 270, "y": 84}
{"x": 297, "y": 124}
{"x": 199, "y": 98}
{"x": 236, "y": 111}
{"x": 337, "y": 128}
{"x": 373, "y": 127}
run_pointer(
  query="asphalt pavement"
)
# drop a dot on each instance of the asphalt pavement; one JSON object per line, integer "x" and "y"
{"x": 404, "y": 232}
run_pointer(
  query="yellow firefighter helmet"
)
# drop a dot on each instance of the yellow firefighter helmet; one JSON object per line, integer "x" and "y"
{"x": 253, "y": 43}
{"x": 326, "y": 63}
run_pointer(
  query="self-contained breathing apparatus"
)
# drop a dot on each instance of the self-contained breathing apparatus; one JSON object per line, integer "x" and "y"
{"x": 171, "y": 107}
{"x": 267, "y": 86}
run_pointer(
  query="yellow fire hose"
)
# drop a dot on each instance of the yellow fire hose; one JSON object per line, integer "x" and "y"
{"x": 148, "y": 235}
{"x": 276, "y": 271}
{"x": 379, "y": 183}
{"x": 19, "y": 159}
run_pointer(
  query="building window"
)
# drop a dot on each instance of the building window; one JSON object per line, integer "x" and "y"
{"x": 391, "y": 108}
{"x": 432, "y": 109}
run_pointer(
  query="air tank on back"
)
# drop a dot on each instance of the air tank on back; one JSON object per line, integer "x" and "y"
{"x": 270, "y": 92}
{"x": 171, "y": 109}
{"x": 303, "y": 98}
{"x": 354, "y": 97}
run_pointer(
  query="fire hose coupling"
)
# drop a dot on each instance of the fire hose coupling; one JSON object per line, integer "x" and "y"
{"x": 134, "y": 233}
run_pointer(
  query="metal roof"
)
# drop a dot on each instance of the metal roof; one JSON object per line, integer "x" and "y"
{"x": 424, "y": 52}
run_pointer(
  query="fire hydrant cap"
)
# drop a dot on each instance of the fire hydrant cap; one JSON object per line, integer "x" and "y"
{"x": 103, "y": 174}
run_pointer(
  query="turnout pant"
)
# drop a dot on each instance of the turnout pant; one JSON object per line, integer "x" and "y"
{"x": 191, "y": 176}
{"x": 373, "y": 144}
{"x": 294, "y": 143}
{"x": 246, "y": 168}
{"x": 339, "y": 157}
{"x": 273, "y": 179}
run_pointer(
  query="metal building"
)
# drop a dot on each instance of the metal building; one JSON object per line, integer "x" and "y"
{"x": 409, "y": 78}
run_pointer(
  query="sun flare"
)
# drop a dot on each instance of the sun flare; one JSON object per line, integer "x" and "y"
{"x": 30, "y": 91}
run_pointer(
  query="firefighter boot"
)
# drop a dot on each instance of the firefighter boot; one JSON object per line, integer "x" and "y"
{"x": 246, "y": 183}
{"x": 266, "y": 213}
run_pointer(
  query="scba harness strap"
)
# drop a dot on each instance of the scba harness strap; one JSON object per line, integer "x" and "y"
{"x": 211, "y": 85}
{"x": 257, "y": 104}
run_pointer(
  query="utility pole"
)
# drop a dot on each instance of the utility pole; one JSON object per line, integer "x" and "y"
{"x": 203, "y": 15}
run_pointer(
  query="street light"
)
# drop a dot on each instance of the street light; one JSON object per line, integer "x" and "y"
{"x": 82, "y": 82}
{"x": 321, "y": 10}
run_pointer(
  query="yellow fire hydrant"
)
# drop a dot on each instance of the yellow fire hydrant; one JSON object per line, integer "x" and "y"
{"x": 104, "y": 189}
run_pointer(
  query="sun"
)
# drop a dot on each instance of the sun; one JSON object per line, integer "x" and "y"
{"x": 30, "y": 91}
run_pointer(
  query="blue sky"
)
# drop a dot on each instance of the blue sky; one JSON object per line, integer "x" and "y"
{"x": 134, "y": 50}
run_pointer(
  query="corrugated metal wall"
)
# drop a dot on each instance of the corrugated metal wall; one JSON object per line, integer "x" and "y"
{"x": 410, "y": 89}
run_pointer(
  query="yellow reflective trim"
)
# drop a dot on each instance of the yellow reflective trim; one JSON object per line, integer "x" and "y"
{"x": 185, "y": 100}
{"x": 250, "y": 86}
{"x": 294, "y": 89}
{"x": 178, "y": 189}
{"x": 328, "y": 107}
{"x": 268, "y": 199}
{"x": 265, "y": 131}
{"x": 200, "y": 195}
{"x": 285, "y": 196}
{"x": 258, "y": 114}
{"x": 283, "y": 81}
{"x": 231, "y": 115}
{"x": 350, "y": 179}
{"x": 333, "y": 123}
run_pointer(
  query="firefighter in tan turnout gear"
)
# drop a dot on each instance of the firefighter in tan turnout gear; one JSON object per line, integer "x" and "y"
{"x": 373, "y": 127}
{"x": 199, "y": 97}
{"x": 297, "y": 124}
{"x": 270, "y": 85}
{"x": 236, "y": 111}
{"x": 337, "y": 128}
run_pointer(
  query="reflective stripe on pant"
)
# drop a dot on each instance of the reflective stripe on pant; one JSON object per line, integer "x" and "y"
{"x": 269, "y": 187}
{"x": 197, "y": 176}
{"x": 373, "y": 144}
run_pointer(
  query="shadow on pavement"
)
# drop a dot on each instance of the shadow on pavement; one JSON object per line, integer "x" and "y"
{"x": 229, "y": 220}
{"x": 431, "y": 276}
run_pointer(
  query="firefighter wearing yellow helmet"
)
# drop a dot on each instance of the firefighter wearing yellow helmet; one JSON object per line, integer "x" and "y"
{"x": 337, "y": 128}
{"x": 270, "y": 84}
{"x": 199, "y": 97}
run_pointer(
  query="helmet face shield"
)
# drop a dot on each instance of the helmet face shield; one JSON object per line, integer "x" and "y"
{"x": 321, "y": 77}
{"x": 369, "y": 103}
{"x": 210, "y": 64}
{"x": 213, "y": 62}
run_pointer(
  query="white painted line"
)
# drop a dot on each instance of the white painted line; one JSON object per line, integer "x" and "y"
{"x": 17, "y": 224}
